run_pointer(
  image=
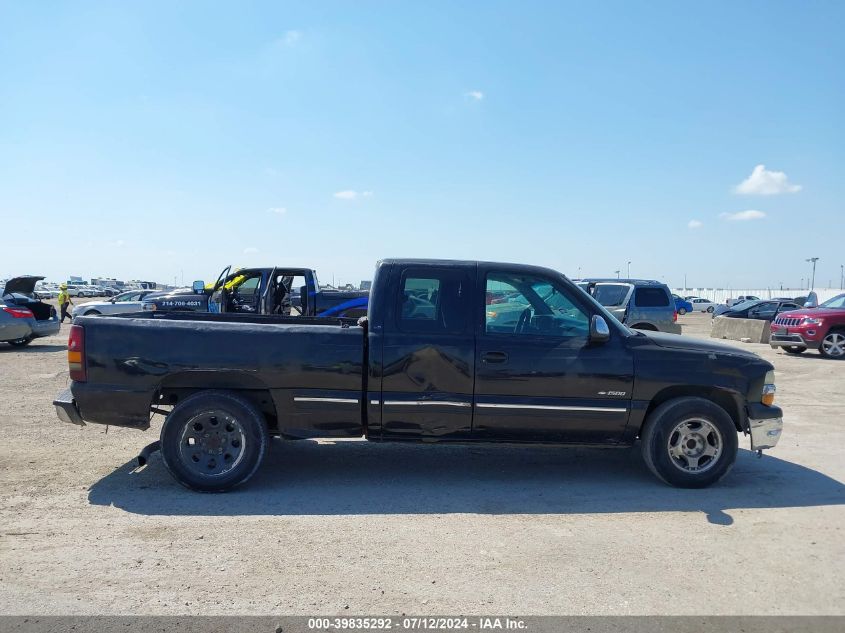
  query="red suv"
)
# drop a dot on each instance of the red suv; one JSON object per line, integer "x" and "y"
{"x": 821, "y": 328}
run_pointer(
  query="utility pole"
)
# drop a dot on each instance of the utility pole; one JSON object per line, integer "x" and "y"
{"x": 813, "y": 282}
{"x": 617, "y": 271}
{"x": 685, "y": 281}
{"x": 842, "y": 276}
{"x": 629, "y": 270}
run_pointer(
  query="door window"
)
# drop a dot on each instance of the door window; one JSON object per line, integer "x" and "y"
{"x": 433, "y": 301}
{"x": 531, "y": 306}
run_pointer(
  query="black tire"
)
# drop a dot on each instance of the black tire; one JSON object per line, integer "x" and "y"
{"x": 92, "y": 313}
{"x": 710, "y": 309}
{"x": 214, "y": 431}
{"x": 707, "y": 425}
{"x": 794, "y": 349}
{"x": 682, "y": 311}
{"x": 21, "y": 342}
{"x": 833, "y": 345}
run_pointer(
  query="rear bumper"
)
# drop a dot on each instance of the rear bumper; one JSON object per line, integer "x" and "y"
{"x": 765, "y": 424}
{"x": 795, "y": 339}
{"x": 66, "y": 408}
{"x": 49, "y": 327}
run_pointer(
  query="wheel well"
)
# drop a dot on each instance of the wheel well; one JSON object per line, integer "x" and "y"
{"x": 718, "y": 396}
{"x": 176, "y": 387}
{"x": 644, "y": 326}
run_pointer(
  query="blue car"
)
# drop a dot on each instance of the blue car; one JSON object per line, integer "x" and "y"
{"x": 682, "y": 306}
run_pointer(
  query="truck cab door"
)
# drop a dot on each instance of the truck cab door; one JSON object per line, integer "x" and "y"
{"x": 217, "y": 299}
{"x": 538, "y": 377}
{"x": 428, "y": 354}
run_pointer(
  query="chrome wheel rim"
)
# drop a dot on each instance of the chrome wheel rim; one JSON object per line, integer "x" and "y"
{"x": 834, "y": 344}
{"x": 212, "y": 443}
{"x": 694, "y": 445}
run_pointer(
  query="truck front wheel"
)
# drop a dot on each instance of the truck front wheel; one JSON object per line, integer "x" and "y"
{"x": 213, "y": 441}
{"x": 689, "y": 442}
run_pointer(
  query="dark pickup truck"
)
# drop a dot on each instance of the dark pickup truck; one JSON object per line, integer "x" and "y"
{"x": 450, "y": 351}
{"x": 280, "y": 290}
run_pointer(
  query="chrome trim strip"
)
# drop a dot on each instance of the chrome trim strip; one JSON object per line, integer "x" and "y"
{"x": 546, "y": 407}
{"x": 337, "y": 400}
{"x": 423, "y": 403}
{"x": 374, "y": 402}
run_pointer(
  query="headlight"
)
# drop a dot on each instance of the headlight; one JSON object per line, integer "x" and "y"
{"x": 768, "y": 397}
{"x": 811, "y": 321}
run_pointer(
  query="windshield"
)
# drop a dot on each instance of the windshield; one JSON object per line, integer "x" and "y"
{"x": 611, "y": 295}
{"x": 742, "y": 305}
{"x": 837, "y": 302}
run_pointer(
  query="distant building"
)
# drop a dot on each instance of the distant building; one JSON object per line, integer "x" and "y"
{"x": 366, "y": 285}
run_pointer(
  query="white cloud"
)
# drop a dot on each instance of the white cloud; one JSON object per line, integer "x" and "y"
{"x": 250, "y": 249}
{"x": 291, "y": 38}
{"x": 119, "y": 243}
{"x": 694, "y": 224}
{"x": 476, "y": 95}
{"x": 277, "y": 210}
{"x": 742, "y": 216}
{"x": 763, "y": 182}
{"x": 351, "y": 194}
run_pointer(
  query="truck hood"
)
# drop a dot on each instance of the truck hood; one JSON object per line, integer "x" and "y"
{"x": 25, "y": 284}
{"x": 675, "y": 341}
{"x": 813, "y": 313}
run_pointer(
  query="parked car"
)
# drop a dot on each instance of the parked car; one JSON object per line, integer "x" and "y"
{"x": 24, "y": 316}
{"x": 421, "y": 369}
{"x": 761, "y": 309}
{"x": 131, "y": 301}
{"x": 682, "y": 306}
{"x": 701, "y": 305}
{"x": 821, "y": 329}
{"x": 111, "y": 291}
{"x": 638, "y": 303}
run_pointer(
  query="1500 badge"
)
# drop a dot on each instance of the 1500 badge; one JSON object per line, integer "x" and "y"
{"x": 612, "y": 393}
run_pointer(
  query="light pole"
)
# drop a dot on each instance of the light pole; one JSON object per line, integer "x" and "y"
{"x": 629, "y": 270}
{"x": 842, "y": 276}
{"x": 813, "y": 282}
{"x": 617, "y": 271}
{"x": 579, "y": 272}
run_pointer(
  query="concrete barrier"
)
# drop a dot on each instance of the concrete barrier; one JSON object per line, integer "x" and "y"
{"x": 755, "y": 330}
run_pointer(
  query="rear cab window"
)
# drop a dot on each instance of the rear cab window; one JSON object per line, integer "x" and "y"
{"x": 651, "y": 297}
{"x": 434, "y": 301}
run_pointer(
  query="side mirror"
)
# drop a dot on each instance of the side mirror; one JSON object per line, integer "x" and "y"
{"x": 599, "y": 331}
{"x": 198, "y": 286}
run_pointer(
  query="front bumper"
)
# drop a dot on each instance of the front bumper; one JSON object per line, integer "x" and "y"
{"x": 795, "y": 339}
{"x": 765, "y": 425}
{"x": 66, "y": 408}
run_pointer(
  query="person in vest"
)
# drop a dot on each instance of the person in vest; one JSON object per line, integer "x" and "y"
{"x": 64, "y": 302}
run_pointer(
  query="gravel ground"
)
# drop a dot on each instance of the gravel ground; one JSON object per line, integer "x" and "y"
{"x": 353, "y": 528}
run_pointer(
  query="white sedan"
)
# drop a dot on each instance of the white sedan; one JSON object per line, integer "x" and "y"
{"x": 124, "y": 302}
{"x": 701, "y": 305}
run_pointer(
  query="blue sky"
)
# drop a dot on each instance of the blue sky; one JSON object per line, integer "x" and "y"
{"x": 168, "y": 139}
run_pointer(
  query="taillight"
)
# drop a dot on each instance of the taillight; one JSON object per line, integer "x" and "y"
{"x": 20, "y": 313}
{"x": 76, "y": 354}
{"x": 675, "y": 316}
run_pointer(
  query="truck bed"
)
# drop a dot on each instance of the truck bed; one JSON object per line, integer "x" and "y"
{"x": 306, "y": 373}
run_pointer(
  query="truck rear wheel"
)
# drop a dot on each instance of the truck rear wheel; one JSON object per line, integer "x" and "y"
{"x": 689, "y": 442}
{"x": 214, "y": 441}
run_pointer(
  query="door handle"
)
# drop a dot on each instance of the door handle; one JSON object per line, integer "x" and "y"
{"x": 494, "y": 357}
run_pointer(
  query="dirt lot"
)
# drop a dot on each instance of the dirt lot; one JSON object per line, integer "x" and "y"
{"x": 353, "y": 528}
